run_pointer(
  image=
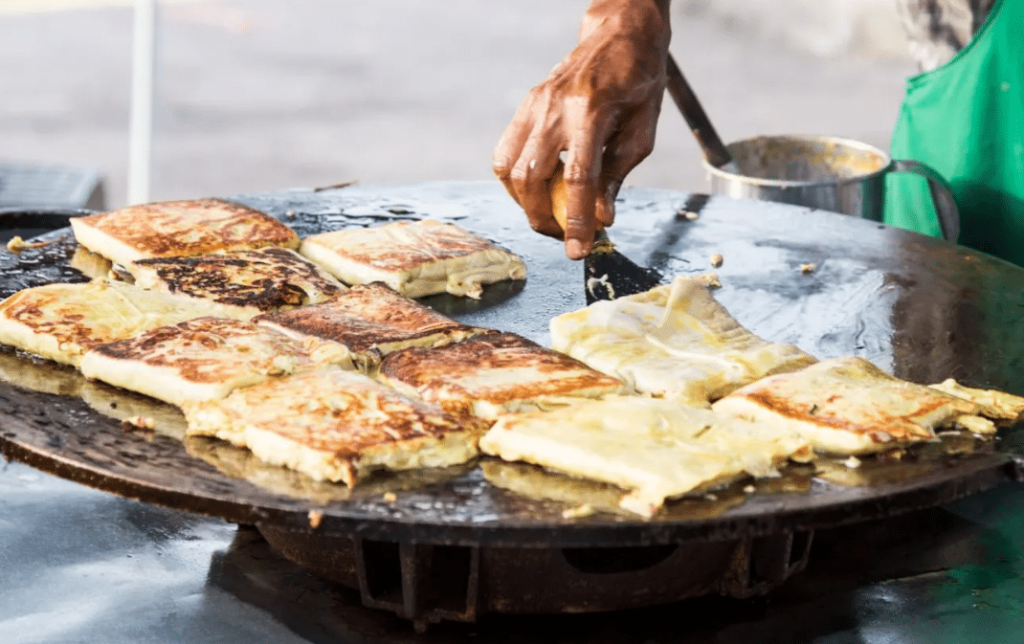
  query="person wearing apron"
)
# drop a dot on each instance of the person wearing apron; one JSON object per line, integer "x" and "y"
{"x": 964, "y": 117}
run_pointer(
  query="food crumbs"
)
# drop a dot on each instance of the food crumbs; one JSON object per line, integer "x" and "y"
{"x": 390, "y": 497}
{"x": 853, "y": 462}
{"x": 17, "y": 244}
{"x": 808, "y": 268}
{"x": 717, "y": 260}
{"x": 139, "y": 422}
{"x": 584, "y": 510}
{"x": 315, "y": 517}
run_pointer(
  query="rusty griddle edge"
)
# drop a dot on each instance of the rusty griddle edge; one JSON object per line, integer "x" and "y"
{"x": 541, "y": 525}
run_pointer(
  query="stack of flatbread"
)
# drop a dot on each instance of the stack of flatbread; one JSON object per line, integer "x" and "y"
{"x": 311, "y": 355}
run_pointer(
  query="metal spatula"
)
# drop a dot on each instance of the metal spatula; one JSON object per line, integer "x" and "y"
{"x": 607, "y": 273}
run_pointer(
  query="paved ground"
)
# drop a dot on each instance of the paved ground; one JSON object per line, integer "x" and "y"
{"x": 267, "y": 94}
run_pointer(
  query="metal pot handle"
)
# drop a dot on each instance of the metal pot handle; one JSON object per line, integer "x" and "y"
{"x": 942, "y": 196}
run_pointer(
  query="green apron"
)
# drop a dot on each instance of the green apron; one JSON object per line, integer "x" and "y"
{"x": 966, "y": 120}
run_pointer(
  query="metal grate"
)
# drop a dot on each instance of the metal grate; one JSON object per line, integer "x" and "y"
{"x": 39, "y": 186}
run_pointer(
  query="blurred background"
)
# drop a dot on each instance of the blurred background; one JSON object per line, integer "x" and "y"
{"x": 256, "y": 95}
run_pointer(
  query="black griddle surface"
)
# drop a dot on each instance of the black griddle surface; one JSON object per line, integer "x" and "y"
{"x": 920, "y": 308}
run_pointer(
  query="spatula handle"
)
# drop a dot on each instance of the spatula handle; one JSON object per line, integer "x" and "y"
{"x": 681, "y": 92}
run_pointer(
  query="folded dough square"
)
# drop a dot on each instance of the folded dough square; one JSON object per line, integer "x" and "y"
{"x": 849, "y": 406}
{"x": 675, "y": 340}
{"x": 63, "y": 321}
{"x": 372, "y": 320}
{"x": 207, "y": 358}
{"x": 414, "y": 258}
{"x": 336, "y": 425}
{"x": 179, "y": 228}
{"x": 491, "y": 374}
{"x": 254, "y": 281}
{"x": 655, "y": 448}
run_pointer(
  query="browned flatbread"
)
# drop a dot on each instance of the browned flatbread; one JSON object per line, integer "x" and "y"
{"x": 256, "y": 281}
{"x": 414, "y": 258}
{"x": 372, "y": 320}
{"x": 336, "y": 425}
{"x": 62, "y": 321}
{"x": 493, "y": 373}
{"x": 207, "y": 358}
{"x": 849, "y": 406}
{"x": 179, "y": 228}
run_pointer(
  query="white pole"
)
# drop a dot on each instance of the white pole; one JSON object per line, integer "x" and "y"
{"x": 140, "y": 159}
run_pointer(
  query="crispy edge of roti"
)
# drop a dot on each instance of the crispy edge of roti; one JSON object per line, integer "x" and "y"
{"x": 810, "y": 412}
{"x": 438, "y": 375}
{"x": 354, "y": 256}
{"x": 1003, "y": 408}
{"x": 259, "y": 418}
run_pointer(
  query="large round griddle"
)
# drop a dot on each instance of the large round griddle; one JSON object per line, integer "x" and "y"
{"x": 917, "y": 307}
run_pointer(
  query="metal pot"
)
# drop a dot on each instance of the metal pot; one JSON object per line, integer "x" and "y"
{"x": 830, "y": 173}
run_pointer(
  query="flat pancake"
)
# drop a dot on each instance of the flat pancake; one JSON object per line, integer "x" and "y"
{"x": 849, "y": 406}
{"x": 239, "y": 462}
{"x": 416, "y": 259}
{"x": 372, "y": 320}
{"x": 492, "y": 374}
{"x": 35, "y": 374}
{"x": 63, "y": 321}
{"x": 1003, "y": 408}
{"x": 179, "y": 229}
{"x": 207, "y": 358}
{"x": 336, "y": 425}
{"x": 255, "y": 281}
{"x": 134, "y": 411}
{"x": 674, "y": 341}
{"x": 656, "y": 448}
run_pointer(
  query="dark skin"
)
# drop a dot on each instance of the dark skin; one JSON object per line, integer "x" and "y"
{"x": 600, "y": 107}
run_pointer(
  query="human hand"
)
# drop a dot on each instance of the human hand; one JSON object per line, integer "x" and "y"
{"x": 600, "y": 105}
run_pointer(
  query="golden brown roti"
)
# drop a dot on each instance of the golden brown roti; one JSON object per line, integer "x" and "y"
{"x": 849, "y": 406}
{"x": 206, "y": 359}
{"x": 493, "y": 373}
{"x": 372, "y": 320}
{"x": 416, "y": 259}
{"x": 256, "y": 281}
{"x": 179, "y": 228}
{"x": 336, "y": 425}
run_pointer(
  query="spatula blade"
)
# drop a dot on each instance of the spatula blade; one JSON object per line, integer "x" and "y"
{"x": 608, "y": 274}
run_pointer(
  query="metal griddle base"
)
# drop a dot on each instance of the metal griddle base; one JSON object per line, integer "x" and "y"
{"x": 918, "y": 307}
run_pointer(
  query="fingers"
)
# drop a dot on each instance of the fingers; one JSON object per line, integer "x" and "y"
{"x": 624, "y": 151}
{"x": 530, "y": 177}
{"x": 511, "y": 143}
{"x": 582, "y": 178}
